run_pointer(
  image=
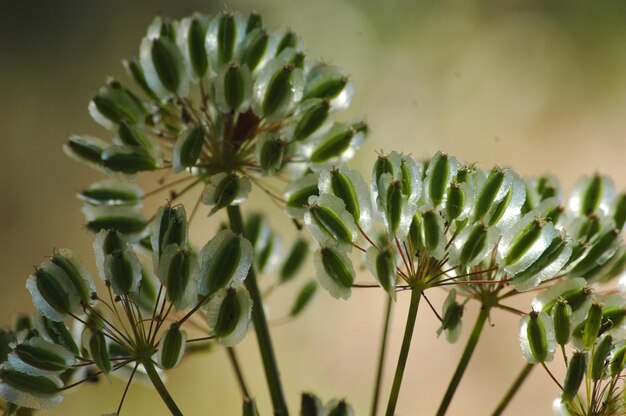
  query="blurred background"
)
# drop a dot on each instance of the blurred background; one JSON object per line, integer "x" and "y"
{"x": 536, "y": 85}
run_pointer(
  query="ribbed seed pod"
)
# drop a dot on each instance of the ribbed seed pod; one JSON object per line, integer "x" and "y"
{"x": 562, "y": 318}
{"x": 329, "y": 222}
{"x": 294, "y": 261}
{"x": 574, "y": 376}
{"x": 30, "y": 391}
{"x": 224, "y": 189}
{"x": 592, "y": 325}
{"x": 382, "y": 264}
{"x": 187, "y": 149}
{"x": 311, "y": 405}
{"x": 99, "y": 352}
{"x": 334, "y": 272}
{"x": 171, "y": 347}
{"x": 537, "y": 337}
{"x": 228, "y": 315}
{"x": 599, "y": 358}
{"x": 306, "y": 294}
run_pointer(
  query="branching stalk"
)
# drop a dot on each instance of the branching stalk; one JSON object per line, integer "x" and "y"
{"x": 381, "y": 357}
{"x": 504, "y": 402}
{"x": 160, "y": 388}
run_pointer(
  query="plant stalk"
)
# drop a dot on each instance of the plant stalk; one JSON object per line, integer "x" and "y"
{"x": 381, "y": 357}
{"x": 504, "y": 402}
{"x": 264, "y": 340}
{"x": 416, "y": 295}
{"x": 160, "y": 387}
{"x": 465, "y": 359}
{"x": 234, "y": 361}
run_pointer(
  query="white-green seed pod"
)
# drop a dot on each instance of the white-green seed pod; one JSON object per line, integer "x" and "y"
{"x": 537, "y": 337}
{"x": 551, "y": 210}
{"x": 574, "y": 291}
{"x": 329, "y": 82}
{"x": 254, "y": 49}
{"x": 98, "y": 350}
{"x": 270, "y": 153}
{"x": 225, "y": 33}
{"x": 276, "y": 89}
{"x": 349, "y": 186}
{"x": 576, "y": 369}
{"x": 592, "y": 326}
{"x": 397, "y": 213}
{"x": 382, "y": 264}
{"x": 311, "y": 405}
{"x": 459, "y": 202}
{"x": 440, "y": 173}
{"x": 329, "y": 223}
{"x": 233, "y": 88}
{"x": 451, "y": 318}
{"x": 228, "y": 315}
{"x": 599, "y": 250}
{"x": 171, "y": 347}
{"x": 295, "y": 259}
{"x": 617, "y": 360}
{"x": 592, "y": 195}
{"x": 618, "y": 210}
{"x": 433, "y": 233}
{"x": 38, "y": 357}
{"x": 125, "y": 219}
{"x": 188, "y": 148}
{"x": 562, "y": 318}
{"x": 112, "y": 192}
{"x": 225, "y": 189}
{"x": 78, "y": 277}
{"x": 337, "y": 407}
{"x": 114, "y": 104}
{"x": 55, "y": 332}
{"x": 168, "y": 227}
{"x": 191, "y": 38}
{"x": 600, "y": 355}
{"x": 311, "y": 119}
{"x": 499, "y": 199}
{"x": 117, "y": 262}
{"x": 306, "y": 294}
{"x": 298, "y": 194}
{"x": 87, "y": 150}
{"x": 134, "y": 69}
{"x": 178, "y": 272}
{"x": 29, "y": 391}
{"x": 249, "y": 408}
{"x": 339, "y": 144}
{"x": 334, "y": 271}
{"x": 540, "y": 189}
{"x": 225, "y": 261}
{"x": 472, "y": 245}
{"x": 129, "y": 159}
{"x": 613, "y": 315}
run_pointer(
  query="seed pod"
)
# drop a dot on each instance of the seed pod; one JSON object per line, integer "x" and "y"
{"x": 255, "y": 21}
{"x": 294, "y": 261}
{"x": 128, "y": 159}
{"x": 224, "y": 189}
{"x": 233, "y": 88}
{"x": 79, "y": 278}
{"x": 592, "y": 325}
{"x": 112, "y": 192}
{"x": 306, "y": 294}
{"x": 618, "y": 210}
{"x": 86, "y": 149}
{"x": 439, "y": 174}
{"x": 194, "y": 31}
{"x": 266, "y": 255}
{"x": 334, "y": 272}
{"x": 224, "y": 34}
{"x": 339, "y": 144}
{"x": 415, "y": 237}
{"x": 163, "y": 66}
{"x": 7, "y": 339}
{"x": 574, "y": 376}
{"x": 253, "y": 49}
{"x": 383, "y": 165}
{"x": 602, "y": 246}
{"x": 178, "y": 272}
{"x": 489, "y": 192}
{"x": 277, "y": 88}
{"x": 171, "y": 347}
{"x": 592, "y": 194}
{"x": 49, "y": 295}
{"x": 452, "y": 314}
{"x": 99, "y": 352}
{"x": 169, "y": 227}
{"x": 600, "y": 355}
{"x": 311, "y": 405}
{"x": 55, "y": 332}
{"x": 547, "y": 265}
{"x": 124, "y": 219}
{"x": 383, "y": 266}
{"x": 114, "y": 104}
{"x": 30, "y": 391}
{"x": 472, "y": 245}
{"x": 270, "y": 153}
{"x": 537, "y": 337}
{"x": 225, "y": 261}
{"x": 299, "y": 192}
{"x": 187, "y": 149}
{"x": 393, "y": 207}
{"x": 39, "y": 357}
{"x": 311, "y": 116}
{"x": 349, "y": 186}
{"x": 228, "y": 315}
{"x": 330, "y": 82}
{"x": 117, "y": 262}
{"x": 618, "y": 361}
{"x": 339, "y": 408}
{"x": 434, "y": 238}
{"x": 562, "y": 318}
{"x": 249, "y": 408}
{"x": 145, "y": 297}
{"x": 134, "y": 69}
{"x": 330, "y": 223}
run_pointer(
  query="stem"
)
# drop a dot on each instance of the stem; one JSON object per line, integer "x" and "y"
{"x": 404, "y": 351}
{"x": 232, "y": 356}
{"x": 264, "y": 340}
{"x": 465, "y": 359}
{"x": 504, "y": 402}
{"x": 160, "y": 387}
{"x": 381, "y": 357}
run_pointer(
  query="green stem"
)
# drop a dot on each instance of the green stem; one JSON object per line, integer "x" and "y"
{"x": 465, "y": 359}
{"x": 160, "y": 387}
{"x": 232, "y": 356}
{"x": 264, "y": 340}
{"x": 404, "y": 351}
{"x": 504, "y": 402}
{"x": 381, "y": 357}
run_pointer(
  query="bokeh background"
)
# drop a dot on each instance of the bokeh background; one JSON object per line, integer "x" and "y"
{"x": 536, "y": 85}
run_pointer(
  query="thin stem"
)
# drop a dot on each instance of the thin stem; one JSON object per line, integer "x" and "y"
{"x": 160, "y": 387}
{"x": 510, "y": 393}
{"x": 416, "y": 295}
{"x": 264, "y": 340}
{"x": 232, "y": 356}
{"x": 465, "y": 359}
{"x": 130, "y": 380}
{"x": 381, "y": 357}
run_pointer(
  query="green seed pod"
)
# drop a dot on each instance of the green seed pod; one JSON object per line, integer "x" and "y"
{"x": 99, "y": 352}
{"x": 277, "y": 88}
{"x": 49, "y": 296}
{"x": 488, "y": 193}
{"x": 441, "y": 170}
{"x": 187, "y": 149}
{"x": 455, "y": 201}
{"x": 294, "y": 261}
{"x": 602, "y": 244}
{"x": 382, "y": 166}
{"x": 592, "y": 325}
{"x": 547, "y": 265}
{"x": 311, "y": 405}
{"x": 7, "y": 338}
{"x": 255, "y": 21}
{"x": 434, "y": 239}
{"x": 339, "y": 408}
{"x": 334, "y": 272}
{"x": 415, "y": 237}
{"x": 619, "y": 210}
{"x": 330, "y": 223}
{"x": 55, "y": 332}
{"x": 86, "y": 149}
{"x": 226, "y": 37}
{"x": 472, "y": 244}
{"x": 537, "y": 337}
{"x": 266, "y": 254}
{"x": 228, "y": 314}
{"x": 125, "y": 219}
{"x": 169, "y": 227}
{"x": 117, "y": 262}
{"x": 383, "y": 266}
{"x": 310, "y": 118}
{"x": 618, "y": 361}
{"x": 348, "y": 185}
{"x": 112, "y": 192}
{"x": 168, "y": 63}
{"x": 128, "y": 159}
{"x": 114, "y": 104}
{"x": 393, "y": 208}
{"x": 77, "y": 274}
{"x": 171, "y": 347}
{"x": 224, "y": 190}
{"x": 327, "y": 81}
{"x": 599, "y": 359}
{"x": 257, "y": 230}
{"x": 345, "y": 190}
{"x": 136, "y": 71}
{"x": 178, "y": 272}
{"x": 196, "y": 36}
{"x": 270, "y": 154}
{"x": 452, "y": 314}
{"x": 304, "y": 298}
{"x": 299, "y": 193}
{"x": 37, "y": 356}
{"x": 523, "y": 242}
{"x": 253, "y": 48}
{"x": 562, "y": 318}
{"x": 233, "y": 88}
{"x": 288, "y": 40}
{"x": 574, "y": 376}
{"x": 30, "y": 391}
{"x": 338, "y": 141}
{"x": 591, "y": 195}
{"x": 249, "y": 408}
{"x": 225, "y": 262}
